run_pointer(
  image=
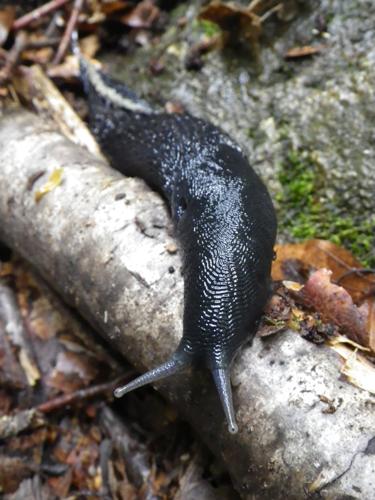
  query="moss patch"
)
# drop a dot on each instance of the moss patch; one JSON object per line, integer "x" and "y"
{"x": 206, "y": 27}
{"x": 306, "y": 213}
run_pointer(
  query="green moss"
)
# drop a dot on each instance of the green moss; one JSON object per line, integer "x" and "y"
{"x": 206, "y": 27}
{"x": 303, "y": 215}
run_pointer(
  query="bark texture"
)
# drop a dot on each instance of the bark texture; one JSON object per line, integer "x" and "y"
{"x": 101, "y": 240}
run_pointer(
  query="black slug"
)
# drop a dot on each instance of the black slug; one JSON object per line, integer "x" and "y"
{"x": 223, "y": 217}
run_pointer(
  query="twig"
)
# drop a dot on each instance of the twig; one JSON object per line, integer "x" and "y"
{"x": 348, "y": 267}
{"x": 13, "y": 56}
{"x": 41, "y": 44}
{"x": 68, "y": 31}
{"x": 358, "y": 272}
{"x": 269, "y": 13}
{"x": 15, "y": 327}
{"x": 39, "y": 12}
{"x": 52, "y": 28}
{"x": 46, "y": 98}
{"x": 74, "y": 397}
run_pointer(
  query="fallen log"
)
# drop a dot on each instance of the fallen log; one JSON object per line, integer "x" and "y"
{"x": 104, "y": 243}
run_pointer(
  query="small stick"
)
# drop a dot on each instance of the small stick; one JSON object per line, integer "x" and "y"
{"x": 37, "y": 13}
{"x": 13, "y": 56}
{"x": 74, "y": 397}
{"x": 269, "y": 13}
{"x": 358, "y": 271}
{"x": 40, "y": 44}
{"x": 68, "y": 31}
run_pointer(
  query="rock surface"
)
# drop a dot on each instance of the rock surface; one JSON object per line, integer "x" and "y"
{"x": 319, "y": 109}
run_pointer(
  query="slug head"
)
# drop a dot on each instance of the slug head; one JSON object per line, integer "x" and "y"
{"x": 226, "y": 225}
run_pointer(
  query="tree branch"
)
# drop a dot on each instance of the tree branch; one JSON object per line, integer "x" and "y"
{"x": 90, "y": 239}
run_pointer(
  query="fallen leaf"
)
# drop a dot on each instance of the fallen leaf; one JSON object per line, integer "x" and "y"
{"x": 174, "y": 107}
{"x": 295, "y": 261}
{"x": 112, "y": 7}
{"x": 304, "y": 51}
{"x": 335, "y": 305}
{"x": 89, "y": 45}
{"x": 143, "y": 15}
{"x": 68, "y": 70}
{"x": 5, "y": 400}
{"x": 38, "y": 56}
{"x": 292, "y": 285}
{"x": 60, "y": 485}
{"x": 29, "y": 367}
{"x": 233, "y": 18}
{"x": 12, "y": 471}
{"x": 371, "y": 325}
{"x": 11, "y": 373}
{"x": 277, "y": 316}
{"x": 12, "y": 425}
{"x": 54, "y": 180}
{"x": 340, "y": 339}
{"x": 357, "y": 369}
{"x": 72, "y": 372}
{"x": 7, "y": 15}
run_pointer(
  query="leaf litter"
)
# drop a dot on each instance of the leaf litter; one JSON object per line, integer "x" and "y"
{"x": 324, "y": 293}
{"x": 63, "y": 432}
{"x": 321, "y": 290}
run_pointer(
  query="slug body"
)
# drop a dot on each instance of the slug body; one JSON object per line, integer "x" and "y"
{"x": 223, "y": 217}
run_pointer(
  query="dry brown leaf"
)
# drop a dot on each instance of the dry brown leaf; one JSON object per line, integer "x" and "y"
{"x": 296, "y": 260}
{"x": 335, "y": 305}
{"x": 38, "y": 56}
{"x": 143, "y": 15}
{"x": 368, "y": 309}
{"x": 304, "y": 51}
{"x": 89, "y": 45}
{"x": 233, "y": 18}
{"x": 72, "y": 372}
{"x": 7, "y": 15}
{"x": 67, "y": 70}
{"x": 6, "y": 269}
{"x": 115, "y": 6}
{"x": 60, "y": 485}
{"x": 12, "y": 471}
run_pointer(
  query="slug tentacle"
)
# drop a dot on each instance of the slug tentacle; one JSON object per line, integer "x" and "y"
{"x": 222, "y": 381}
{"x": 174, "y": 365}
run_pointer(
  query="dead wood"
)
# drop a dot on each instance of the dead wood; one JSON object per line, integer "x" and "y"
{"x": 101, "y": 241}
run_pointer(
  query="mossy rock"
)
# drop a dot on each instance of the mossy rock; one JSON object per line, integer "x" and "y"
{"x": 306, "y": 124}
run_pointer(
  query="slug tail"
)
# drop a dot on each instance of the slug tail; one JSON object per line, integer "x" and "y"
{"x": 222, "y": 381}
{"x": 170, "y": 367}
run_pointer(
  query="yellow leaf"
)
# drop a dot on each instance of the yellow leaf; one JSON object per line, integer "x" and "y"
{"x": 54, "y": 180}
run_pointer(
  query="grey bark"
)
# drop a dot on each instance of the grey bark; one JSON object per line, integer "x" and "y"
{"x": 101, "y": 241}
